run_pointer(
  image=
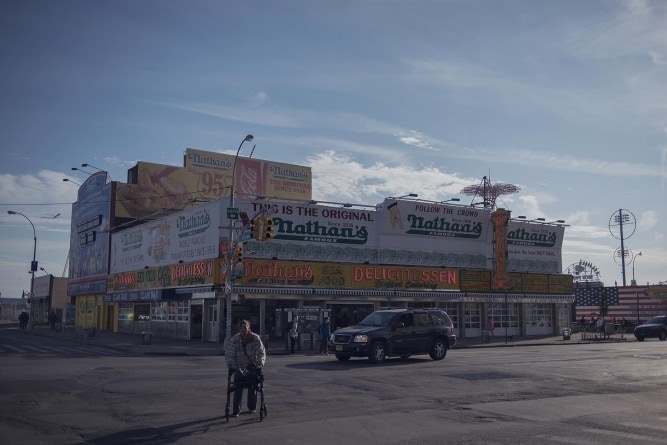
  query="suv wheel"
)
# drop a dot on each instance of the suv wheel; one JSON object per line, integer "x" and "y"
{"x": 342, "y": 357}
{"x": 378, "y": 352}
{"x": 640, "y": 337}
{"x": 662, "y": 336}
{"x": 438, "y": 350}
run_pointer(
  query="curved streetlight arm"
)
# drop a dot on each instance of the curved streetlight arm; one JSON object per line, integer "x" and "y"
{"x": 33, "y": 268}
{"x": 634, "y": 257}
{"x": 229, "y": 282}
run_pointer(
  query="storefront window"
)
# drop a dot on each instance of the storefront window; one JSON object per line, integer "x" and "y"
{"x": 159, "y": 311}
{"x": 142, "y": 312}
{"x": 473, "y": 315}
{"x": 125, "y": 312}
{"x": 504, "y": 315}
{"x": 182, "y": 310}
{"x": 453, "y": 312}
{"x": 539, "y": 315}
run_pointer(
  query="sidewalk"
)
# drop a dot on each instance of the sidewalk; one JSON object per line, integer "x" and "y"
{"x": 133, "y": 343}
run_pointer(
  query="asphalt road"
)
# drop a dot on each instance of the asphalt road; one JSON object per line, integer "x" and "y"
{"x": 575, "y": 394}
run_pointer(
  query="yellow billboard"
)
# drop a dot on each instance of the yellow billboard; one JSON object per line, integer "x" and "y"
{"x": 301, "y": 273}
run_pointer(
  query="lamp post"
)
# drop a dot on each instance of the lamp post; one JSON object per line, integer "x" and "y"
{"x": 33, "y": 268}
{"x": 634, "y": 282}
{"x": 229, "y": 281}
{"x": 81, "y": 170}
{"x": 92, "y": 166}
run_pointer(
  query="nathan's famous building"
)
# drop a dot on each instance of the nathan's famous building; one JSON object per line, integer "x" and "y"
{"x": 154, "y": 255}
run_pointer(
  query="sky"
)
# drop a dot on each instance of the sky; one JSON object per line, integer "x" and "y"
{"x": 565, "y": 99}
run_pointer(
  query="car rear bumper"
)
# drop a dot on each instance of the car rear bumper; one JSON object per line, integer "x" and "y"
{"x": 452, "y": 341}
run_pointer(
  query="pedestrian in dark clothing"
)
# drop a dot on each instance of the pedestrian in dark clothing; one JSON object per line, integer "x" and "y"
{"x": 294, "y": 332}
{"x": 325, "y": 331}
{"x": 52, "y": 320}
{"x": 23, "y": 320}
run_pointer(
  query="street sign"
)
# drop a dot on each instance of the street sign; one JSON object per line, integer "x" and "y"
{"x": 232, "y": 213}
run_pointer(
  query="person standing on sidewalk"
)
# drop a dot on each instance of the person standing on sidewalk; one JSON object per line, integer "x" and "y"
{"x": 293, "y": 332}
{"x": 23, "y": 320}
{"x": 489, "y": 327}
{"x": 325, "y": 331}
{"x": 53, "y": 318}
{"x": 244, "y": 355}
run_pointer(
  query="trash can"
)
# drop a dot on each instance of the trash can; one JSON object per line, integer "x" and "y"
{"x": 566, "y": 333}
{"x": 486, "y": 337}
{"x": 145, "y": 338}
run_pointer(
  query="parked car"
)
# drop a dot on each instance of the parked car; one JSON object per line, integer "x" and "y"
{"x": 654, "y": 327}
{"x": 396, "y": 332}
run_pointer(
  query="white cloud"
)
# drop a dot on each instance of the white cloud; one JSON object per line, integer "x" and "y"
{"x": 648, "y": 220}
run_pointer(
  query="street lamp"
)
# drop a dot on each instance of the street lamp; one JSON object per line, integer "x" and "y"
{"x": 81, "y": 170}
{"x": 33, "y": 268}
{"x": 96, "y": 168}
{"x": 634, "y": 283}
{"x": 229, "y": 281}
{"x": 73, "y": 182}
{"x": 44, "y": 270}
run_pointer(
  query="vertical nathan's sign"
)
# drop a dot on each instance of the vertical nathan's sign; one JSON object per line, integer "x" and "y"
{"x": 501, "y": 279}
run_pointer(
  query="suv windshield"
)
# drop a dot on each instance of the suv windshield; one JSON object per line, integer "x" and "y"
{"x": 378, "y": 319}
{"x": 656, "y": 320}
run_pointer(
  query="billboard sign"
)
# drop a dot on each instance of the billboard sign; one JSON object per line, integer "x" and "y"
{"x": 186, "y": 236}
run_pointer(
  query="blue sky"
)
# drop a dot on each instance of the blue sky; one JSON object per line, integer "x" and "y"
{"x": 565, "y": 99}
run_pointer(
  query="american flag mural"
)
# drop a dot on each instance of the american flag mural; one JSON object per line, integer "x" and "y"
{"x": 624, "y": 302}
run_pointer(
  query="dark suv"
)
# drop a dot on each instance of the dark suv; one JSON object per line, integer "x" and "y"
{"x": 396, "y": 332}
{"x": 655, "y": 327}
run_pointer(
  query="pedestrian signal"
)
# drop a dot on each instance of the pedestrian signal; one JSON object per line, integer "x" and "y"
{"x": 268, "y": 228}
{"x": 255, "y": 229}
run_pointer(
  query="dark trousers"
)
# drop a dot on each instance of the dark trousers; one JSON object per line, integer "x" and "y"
{"x": 293, "y": 341}
{"x": 323, "y": 344}
{"x": 239, "y": 383}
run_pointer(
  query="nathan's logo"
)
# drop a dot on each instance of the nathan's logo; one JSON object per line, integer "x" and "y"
{"x": 193, "y": 224}
{"x": 522, "y": 237}
{"x": 131, "y": 241}
{"x": 123, "y": 281}
{"x": 314, "y": 231}
{"x": 200, "y": 160}
{"x": 288, "y": 173}
{"x": 276, "y": 273}
{"x": 441, "y": 227}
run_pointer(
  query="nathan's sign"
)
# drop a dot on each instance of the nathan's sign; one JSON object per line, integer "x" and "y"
{"x": 266, "y": 272}
{"x": 436, "y": 220}
{"x": 303, "y": 224}
{"x": 188, "y": 274}
{"x": 252, "y": 177}
{"x": 523, "y": 237}
{"x": 317, "y": 232}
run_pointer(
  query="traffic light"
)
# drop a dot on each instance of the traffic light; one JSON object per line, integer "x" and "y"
{"x": 255, "y": 229}
{"x": 238, "y": 255}
{"x": 269, "y": 230}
